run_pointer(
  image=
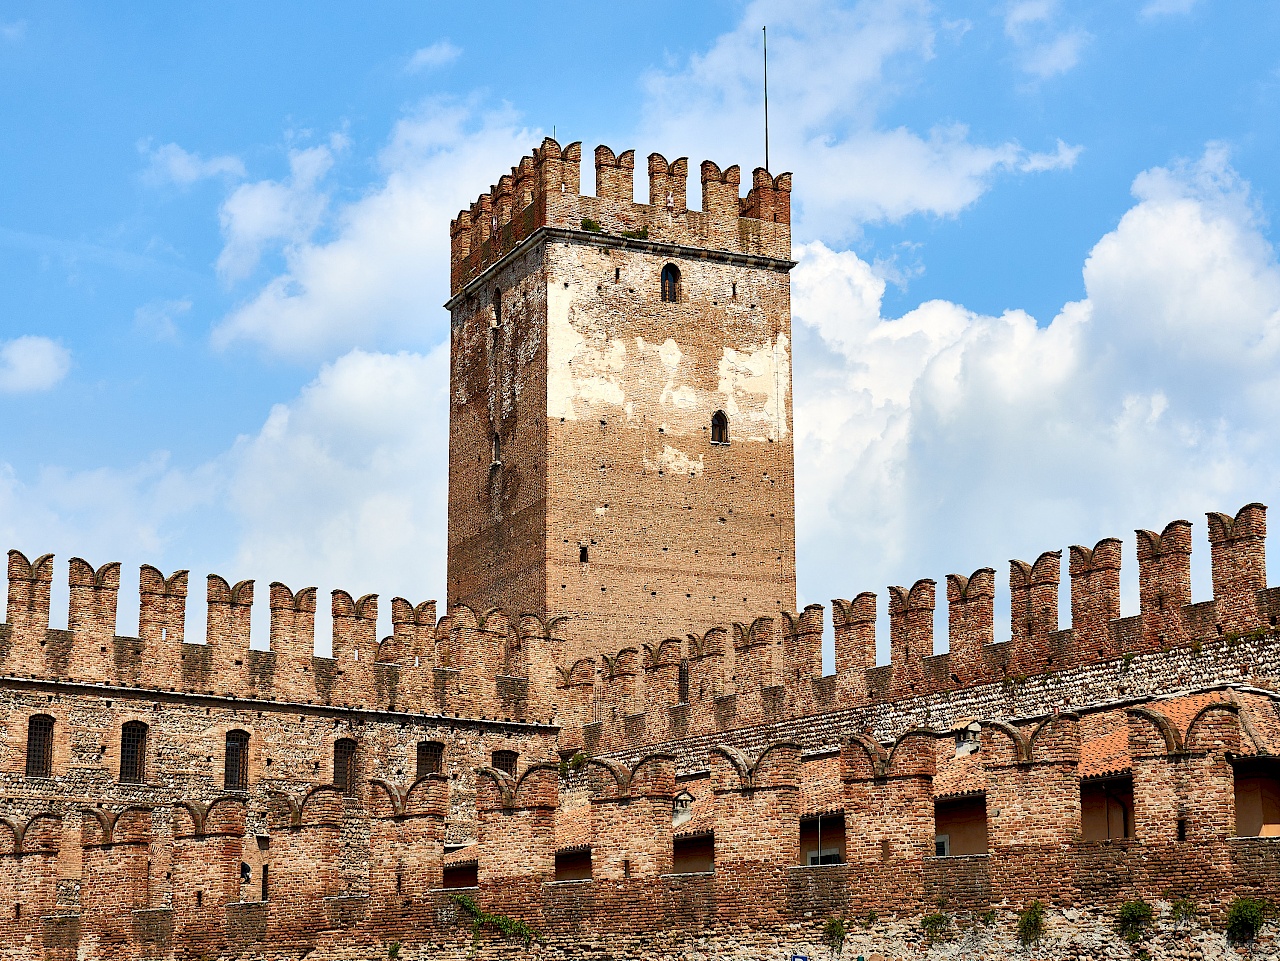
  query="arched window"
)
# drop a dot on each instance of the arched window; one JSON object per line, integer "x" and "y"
{"x": 670, "y": 284}
{"x": 719, "y": 427}
{"x": 430, "y": 758}
{"x": 235, "y": 776}
{"x": 506, "y": 761}
{"x": 683, "y": 682}
{"x": 40, "y": 746}
{"x": 133, "y": 753}
{"x": 346, "y": 770}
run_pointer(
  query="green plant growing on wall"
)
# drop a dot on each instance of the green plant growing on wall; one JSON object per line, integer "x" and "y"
{"x": 1245, "y": 918}
{"x": 936, "y": 926}
{"x": 1134, "y": 920}
{"x": 393, "y": 951}
{"x": 591, "y": 225}
{"x": 1031, "y": 923}
{"x": 833, "y": 935}
{"x": 871, "y": 919}
{"x": 1183, "y": 911}
{"x": 641, "y": 234}
{"x": 987, "y": 918}
{"x": 573, "y": 763}
{"x": 511, "y": 928}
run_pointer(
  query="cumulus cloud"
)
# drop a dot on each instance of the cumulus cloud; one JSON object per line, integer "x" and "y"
{"x": 346, "y": 484}
{"x": 439, "y": 54}
{"x": 171, "y": 164}
{"x": 32, "y": 363}
{"x": 1045, "y": 46}
{"x": 385, "y": 272}
{"x": 275, "y": 211}
{"x": 969, "y": 439}
{"x": 840, "y": 67}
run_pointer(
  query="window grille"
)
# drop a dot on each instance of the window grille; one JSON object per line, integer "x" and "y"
{"x": 236, "y": 762}
{"x": 430, "y": 758}
{"x": 40, "y": 746}
{"x": 346, "y": 773}
{"x": 133, "y": 753}
{"x": 506, "y": 761}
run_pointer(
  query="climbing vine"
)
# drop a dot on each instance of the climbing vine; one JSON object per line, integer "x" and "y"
{"x": 507, "y": 927}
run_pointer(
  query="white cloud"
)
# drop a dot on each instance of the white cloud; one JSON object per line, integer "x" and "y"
{"x": 1063, "y": 158}
{"x": 170, "y": 164}
{"x": 259, "y": 214}
{"x": 968, "y": 439}
{"x": 1045, "y": 47}
{"x": 385, "y": 273}
{"x": 160, "y": 317}
{"x": 439, "y": 54}
{"x": 1160, "y": 8}
{"x": 32, "y": 363}
{"x": 837, "y": 67}
{"x": 346, "y": 484}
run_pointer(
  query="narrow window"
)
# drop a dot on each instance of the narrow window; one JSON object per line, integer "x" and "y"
{"x": 719, "y": 428}
{"x": 617, "y": 274}
{"x": 670, "y": 284}
{"x": 1182, "y": 829}
{"x": 682, "y": 682}
{"x": 506, "y": 761}
{"x": 236, "y": 764}
{"x": 734, "y": 285}
{"x": 497, "y": 449}
{"x": 133, "y": 753}
{"x": 497, "y": 308}
{"x": 264, "y": 882}
{"x": 582, "y": 555}
{"x": 430, "y": 758}
{"x": 40, "y": 746}
{"x": 346, "y": 773}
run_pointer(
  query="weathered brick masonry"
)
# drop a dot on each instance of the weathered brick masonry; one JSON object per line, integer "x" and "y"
{"x": 620, "y": 732}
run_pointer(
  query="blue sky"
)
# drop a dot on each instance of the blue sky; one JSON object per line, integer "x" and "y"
{"x": 1038, "y": 301}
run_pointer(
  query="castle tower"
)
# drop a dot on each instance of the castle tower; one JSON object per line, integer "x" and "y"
{"x": 620, "y": 439}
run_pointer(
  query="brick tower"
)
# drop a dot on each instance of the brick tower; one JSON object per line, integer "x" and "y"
{"x": 620, "y": 443}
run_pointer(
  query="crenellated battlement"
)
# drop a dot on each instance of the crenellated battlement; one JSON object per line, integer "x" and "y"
{"x": 544, "y": 190}
{"x": 495, "y": 665}
{"x": 740, "y": 674}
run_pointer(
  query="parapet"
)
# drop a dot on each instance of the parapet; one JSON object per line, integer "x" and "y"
{"x": 743, "y": 674}
{"x": 544, "y": 190}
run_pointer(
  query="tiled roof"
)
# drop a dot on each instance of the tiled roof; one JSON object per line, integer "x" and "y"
{"x": 573, "y": 828}
{"x": 958, "y": 775}
{"x": 464, "y": 855}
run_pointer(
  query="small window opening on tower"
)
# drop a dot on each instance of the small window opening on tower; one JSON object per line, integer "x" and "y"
{"x": 497, "y": 309}
{"x": 617, "y": 274}
{"x": 734, "y": 285}
{"x": 497, "y": 448}
{"x": 670, "y": 284}
{"x": 582, "y": 555}
{"x": 719, "y": 428}
{"x": 682, "y": 683}
{"x": 506, "y": 761}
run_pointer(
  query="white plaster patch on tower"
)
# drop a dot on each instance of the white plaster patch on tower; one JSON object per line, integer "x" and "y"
{"x": 578, "y": 369}
{"x": 674, "y": 461}
{"x": 755, "y": 383}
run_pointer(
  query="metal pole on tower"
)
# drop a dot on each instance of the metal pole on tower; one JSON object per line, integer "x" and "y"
{"x": 764, "y": 31}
